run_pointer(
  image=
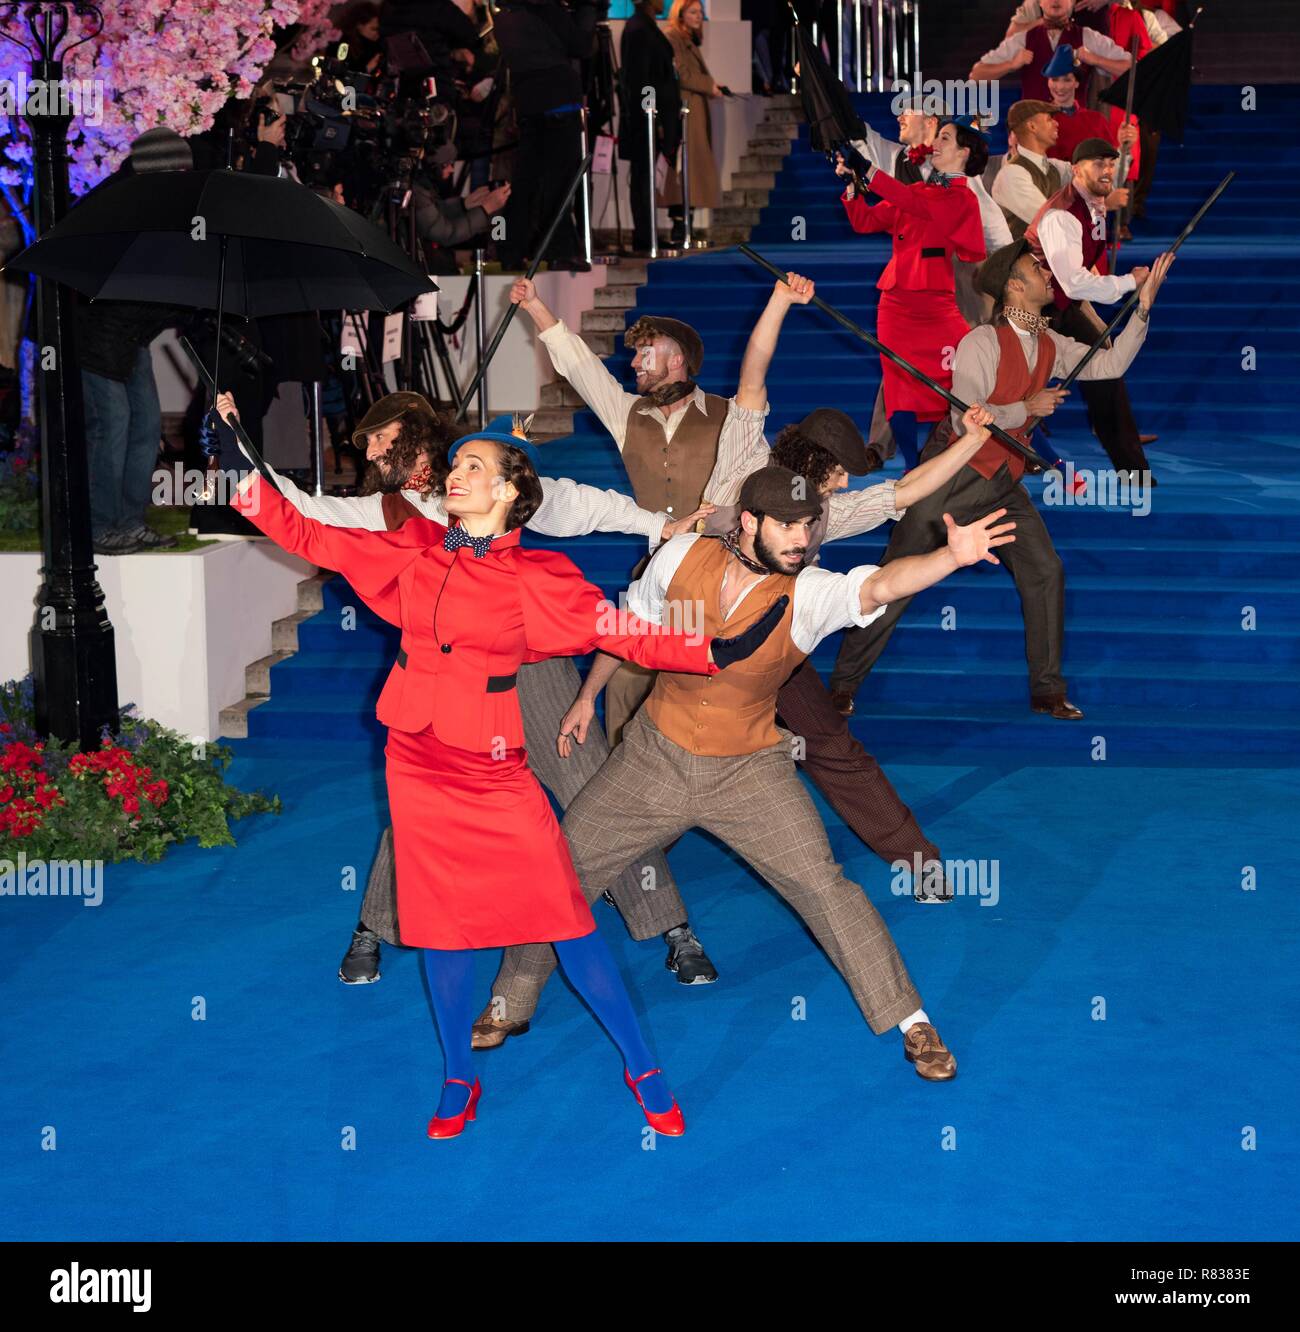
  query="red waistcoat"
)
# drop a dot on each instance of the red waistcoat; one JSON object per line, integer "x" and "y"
{"x": 1014, "y": 383}
{"x": 1032, "y": 83}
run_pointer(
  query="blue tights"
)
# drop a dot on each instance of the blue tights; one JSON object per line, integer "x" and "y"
{"x": 590, "y": 969}
{"x": 903, "y": 424}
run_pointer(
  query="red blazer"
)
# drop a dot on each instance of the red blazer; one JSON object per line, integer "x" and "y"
{"x": 513, "y": 605}
{"x": 929, "y": 223}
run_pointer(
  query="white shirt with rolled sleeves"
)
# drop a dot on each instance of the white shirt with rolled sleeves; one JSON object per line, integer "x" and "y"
{"x": 1096, "y": 42}
{"x": 1061, "y": 236}
{"x": 975, "y": 366}
{"x": 823, "y": 601}
{"x": 568, "y": 509}
{"x": 1017, "y": 193}
{"x": 741, "y": 445}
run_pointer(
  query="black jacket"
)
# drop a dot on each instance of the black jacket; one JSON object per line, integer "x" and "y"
{"x": 646, "y": 59}
{"x": 540, "y": 43}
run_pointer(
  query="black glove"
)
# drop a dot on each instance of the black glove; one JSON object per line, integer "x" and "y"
{"x": 727, "y": 651}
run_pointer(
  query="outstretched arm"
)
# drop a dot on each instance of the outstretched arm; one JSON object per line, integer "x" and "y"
{"x": 929, "y": 476}
{"x": 752, "y": 390}
{"x": 914, "y": 573}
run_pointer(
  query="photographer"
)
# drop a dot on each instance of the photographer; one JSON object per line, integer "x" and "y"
{"x": 447, "y": 222}
{"x": 541, "y": 43}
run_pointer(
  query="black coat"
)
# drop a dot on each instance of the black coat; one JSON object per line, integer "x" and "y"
{"x": 645, "y": 57}
{"x": 540, "y": 45}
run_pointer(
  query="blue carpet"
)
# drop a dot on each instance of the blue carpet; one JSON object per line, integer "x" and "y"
{"x": 296, "y": 1108}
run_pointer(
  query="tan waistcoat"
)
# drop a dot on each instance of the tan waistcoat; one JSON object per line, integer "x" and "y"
{"x": 733, "y": 712}
{"x": 1046, "y": 182}
{"x": 669, "y": 476}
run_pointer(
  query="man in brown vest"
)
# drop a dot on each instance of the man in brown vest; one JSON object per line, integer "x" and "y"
{"x": 715, "y": 758}
{"x": 1006, "y": 366}
{"x": 1029, "y": 176}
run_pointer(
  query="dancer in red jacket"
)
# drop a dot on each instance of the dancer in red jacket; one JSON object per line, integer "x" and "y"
{"x": 930, "y": 221}
{"x": 481, "y": 861}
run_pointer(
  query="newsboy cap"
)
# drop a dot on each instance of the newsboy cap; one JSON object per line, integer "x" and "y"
{"x": 992, "y": 275}
{"x": 1091, "y": 148}
{"x": 774, "y": 491}
{"x": 833, "y": 430}
{"x": 649, "y": 327}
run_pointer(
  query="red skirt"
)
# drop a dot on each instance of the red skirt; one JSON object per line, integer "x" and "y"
{"x": 481, "y": 861}
{"x": 923, "y": 327}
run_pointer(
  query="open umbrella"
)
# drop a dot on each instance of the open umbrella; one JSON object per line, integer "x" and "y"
{"x": 224, "y": 240}
{"x": 1161, "y": 95}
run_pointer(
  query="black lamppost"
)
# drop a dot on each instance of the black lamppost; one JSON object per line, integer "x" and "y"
{"x": 73, "y": 662}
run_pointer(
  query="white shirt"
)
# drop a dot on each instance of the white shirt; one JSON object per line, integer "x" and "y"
{"x": 975, "y": 366}
{"x": 741, "y": 446}
{"x": 1096, "y": 42}
{"x": 996, "y": 232}
{"x": 1061, "y": 236}
{"x": 1017, "y": 193}
{"x": 823, "y": 601}
{"x": 567, "y": 510}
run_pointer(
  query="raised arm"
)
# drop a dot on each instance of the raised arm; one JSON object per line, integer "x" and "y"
{"x": 573, "y": 359}
{"x": 752, "y": 390}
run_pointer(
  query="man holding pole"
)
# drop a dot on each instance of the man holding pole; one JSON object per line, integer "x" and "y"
{"x": 1006, "y": 366}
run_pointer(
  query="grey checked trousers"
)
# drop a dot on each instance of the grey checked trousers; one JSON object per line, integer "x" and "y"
{"x": 546, "y": 692}
{"x": 651, "y": 790}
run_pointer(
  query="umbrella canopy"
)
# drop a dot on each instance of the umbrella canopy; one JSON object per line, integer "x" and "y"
{"x": 158, "y": 237}
{"x": 827, "y": 106}
{"x": 1164, "y": 85}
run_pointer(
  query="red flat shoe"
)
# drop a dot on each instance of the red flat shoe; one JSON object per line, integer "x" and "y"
{"x": 670, "y": 1123}
{"x": 454, "y": 1125}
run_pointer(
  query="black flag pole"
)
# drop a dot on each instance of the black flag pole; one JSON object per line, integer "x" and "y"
{"x": 504, "y": 323}
{"x": 1033, "y": 461}
{"x": 1135, "y": 296}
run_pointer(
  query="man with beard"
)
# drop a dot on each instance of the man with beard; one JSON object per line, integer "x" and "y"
{"x": 1068, "y": 234}
{"x": 1006, "y": 366}
{"x": 713, "y": 756}
{"x": 406, "y": 443}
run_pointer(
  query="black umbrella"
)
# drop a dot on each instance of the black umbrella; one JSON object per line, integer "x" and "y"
{"x": 827, "y": 106}
{"x": 1161, "y": 95}
{"x": 224, "y": 240}
{"x": 161, "y": 237}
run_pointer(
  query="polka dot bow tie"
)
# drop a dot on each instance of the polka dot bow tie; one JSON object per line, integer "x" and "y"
{"x": 457, "y": 537}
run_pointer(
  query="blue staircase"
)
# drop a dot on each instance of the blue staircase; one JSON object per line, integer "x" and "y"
{"x": 1156, "y": 649}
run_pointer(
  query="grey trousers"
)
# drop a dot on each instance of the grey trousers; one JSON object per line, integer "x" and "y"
{"x": 546, "y": 692}
{"x": 651, "y": 790}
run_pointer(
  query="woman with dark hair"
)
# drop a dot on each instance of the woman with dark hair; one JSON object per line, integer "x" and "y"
{"x": 481, "y": 861}
{"x": 932, "y": 222}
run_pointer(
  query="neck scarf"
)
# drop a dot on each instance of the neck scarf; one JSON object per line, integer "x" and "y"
{"x": 919, "y": 152}
{"x": 1026, "y": 319}
{"x": 667, "y": 394}
{"x": 731, "y": 544}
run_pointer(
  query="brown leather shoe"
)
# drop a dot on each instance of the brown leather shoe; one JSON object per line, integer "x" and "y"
{"x": 931, "y": 1058}
{"x": 1058, "y": 706}
{"x": 843, "y": 701}
{"x": 489, "y": 1032}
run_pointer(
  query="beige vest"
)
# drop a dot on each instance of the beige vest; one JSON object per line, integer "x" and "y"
{"x": 733, "y": 712}
{"x": 669, "y": 476}
{"x": 1046, "y": 182}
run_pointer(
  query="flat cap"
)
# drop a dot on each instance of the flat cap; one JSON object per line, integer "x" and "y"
{"x": 1091, "y": 148}
{"x": 833, "y": 430}
{"x": 992, "y": 275}
{"x": 384, "y": 411}
{"x": 779, "y": 493}
{"x": 649, "y": 327}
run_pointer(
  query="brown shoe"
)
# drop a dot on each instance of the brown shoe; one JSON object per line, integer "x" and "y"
{"x": 843, "y": 702}
{"x": 931, "y": 1058}
{"x": 489, "y": 1032}
{"x": 1058, "y": 706}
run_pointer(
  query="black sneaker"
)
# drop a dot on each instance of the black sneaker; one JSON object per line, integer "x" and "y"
{"x": 117, "y": 543}
{"x": 360, "y": 963}
{"x": 686, "y": 956}
{"x": 150, "y": 539}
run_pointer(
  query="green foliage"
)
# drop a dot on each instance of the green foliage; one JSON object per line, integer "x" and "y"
{"x": 145, "y": 788}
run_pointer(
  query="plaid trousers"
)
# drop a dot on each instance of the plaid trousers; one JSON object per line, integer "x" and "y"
{"x": 651, "y": 790}
{"x": 546, "y": 692}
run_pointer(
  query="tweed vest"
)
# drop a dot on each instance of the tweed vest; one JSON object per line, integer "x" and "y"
{"x": 733, "y": 712}
{"x": 1046, "y": 182}
{"x": 669, "y": 475}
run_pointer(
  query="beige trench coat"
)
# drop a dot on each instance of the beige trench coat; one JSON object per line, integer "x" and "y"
{"x": 695, "y": 81}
